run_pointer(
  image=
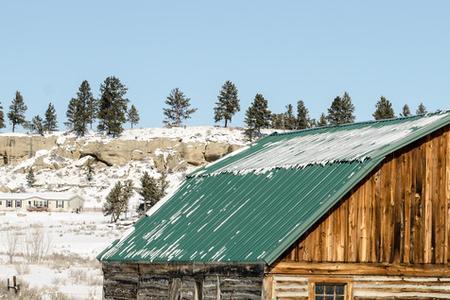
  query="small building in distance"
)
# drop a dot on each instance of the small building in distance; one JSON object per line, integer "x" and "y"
{"x": 356, "y": 211}
{"x": 46, "y": 201}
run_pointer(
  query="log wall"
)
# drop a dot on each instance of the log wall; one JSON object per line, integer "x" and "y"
{"x": 398, "y": 214}
{"x": 196, "y": 282}
{"x": 289, "y": 287}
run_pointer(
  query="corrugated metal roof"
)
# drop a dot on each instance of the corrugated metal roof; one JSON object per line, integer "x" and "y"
{"x": 252, "y": 216}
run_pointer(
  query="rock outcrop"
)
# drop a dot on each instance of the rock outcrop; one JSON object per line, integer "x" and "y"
{"x": 168, "y": 154}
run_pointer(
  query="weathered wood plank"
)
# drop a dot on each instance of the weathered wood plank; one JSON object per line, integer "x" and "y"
{"x": 360, "y": 269}
{"x": 398, "y": 214}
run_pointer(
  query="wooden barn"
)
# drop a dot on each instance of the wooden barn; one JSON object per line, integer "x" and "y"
{"x": 358, "y": 211}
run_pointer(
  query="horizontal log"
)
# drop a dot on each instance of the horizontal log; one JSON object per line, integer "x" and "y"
{"x": 294, "y": 268}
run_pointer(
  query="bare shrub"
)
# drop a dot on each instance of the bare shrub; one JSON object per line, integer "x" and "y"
{"x": 12, "y": 241}
{"x": 22, "y": 269}
{"x": 37, "y": 245}
{"x": 59, "y": 281}
{"x": 28, "y": 293}
{"x": 78, "y": 276}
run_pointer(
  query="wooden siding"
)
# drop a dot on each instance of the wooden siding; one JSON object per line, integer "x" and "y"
{"x": 398, "y": 214}
{"x": 289, "y": 287}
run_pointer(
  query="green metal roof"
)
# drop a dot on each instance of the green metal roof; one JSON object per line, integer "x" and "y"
{"x": 224, "y": 214}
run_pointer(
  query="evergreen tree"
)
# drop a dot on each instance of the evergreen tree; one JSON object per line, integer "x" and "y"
{"x": 133, "y": 116}
{"x": 81, "y": 110}
{"x": 179, "y": 108}
{"x": 112, "y": 106}
{"x": 421, "y": 109}
{"x": 290, "y": 120}
{"x": 322, "y": 121}
{"x": 406, "y": 112}
{"x": 277, "y": 121}
{"x": 50, "y": 123}
{"x": 17, "y": 110}
{"x": 30, "y": 177}
{"x": 227, "y": 104}
{"x": 71, "y": 113}
{"x": 76, "y": 121}
{"x": 257, "y": 117}
{"x": 89, "y": 102}
{"x": 303, "y": 120}
{"x": 383, "y": 109}
{"x": 37, "y": 125}
{"x": 341, "y": 110}
{"x": 90, "y": 172}
{"x": 2, "y": 117}
{"x": 117, "y": 200}
{"x": 151, "y": 191}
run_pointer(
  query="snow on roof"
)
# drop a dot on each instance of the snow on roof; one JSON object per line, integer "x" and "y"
{"x": 329, "y": 145}
{"x": 44, "y": 196}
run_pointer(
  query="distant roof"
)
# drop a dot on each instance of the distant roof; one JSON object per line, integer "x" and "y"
{"x": 43, "y": 196}
{"x": 252, "y": 206}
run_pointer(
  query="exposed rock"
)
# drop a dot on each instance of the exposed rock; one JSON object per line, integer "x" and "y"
{"x": 160, "y": 163}
{"x": 175, "y": 163}
{"x": 233, "y": 148}
{"x": 178, "y": 154}
{"x": 137, "y": 155}
{"x": 4, "y": 189}
{"x": 192, "y": 153}
{"x": 215, "y": 151}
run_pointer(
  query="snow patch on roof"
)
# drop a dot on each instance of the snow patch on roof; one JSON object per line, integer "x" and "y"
{"x": 320, "y": 148}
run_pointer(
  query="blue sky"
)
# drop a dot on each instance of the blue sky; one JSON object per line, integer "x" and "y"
{"x": 286, "y": 50}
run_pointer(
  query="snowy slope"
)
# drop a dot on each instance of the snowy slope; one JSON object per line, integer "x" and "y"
{"x": 71, "y": 175}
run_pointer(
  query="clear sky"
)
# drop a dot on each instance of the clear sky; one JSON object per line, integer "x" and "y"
{"x": 286, "y": 50}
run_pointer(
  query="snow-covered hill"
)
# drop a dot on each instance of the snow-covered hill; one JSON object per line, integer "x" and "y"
{"x": 61, "y": 162}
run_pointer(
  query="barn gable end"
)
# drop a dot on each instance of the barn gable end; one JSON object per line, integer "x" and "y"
{"x": 389, "y": 238}
{"x": 359, "y": 210}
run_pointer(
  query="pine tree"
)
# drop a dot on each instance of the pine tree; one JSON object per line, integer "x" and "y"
{"x": 303, "y": 120}
{"x": 50, "y": 122}
{"x": 37, "y": 125}
{"x": 341, "y": 110}
{"x": 90, "y": 172}
{"x": 179, "y": 108}
{"x": 227, "y": 104}
{"x": 406, "y": 112}
{"x": 290, "y": 120}
{"x": 71, "y": 113}
{"x": 151, "y": 191}
{"x": 2, "y": 117}
{"x": 117, "y": 200}
{"x": 421, "y": 109}
{"x": 257, "y": 117}
{"x": 89, "y": 102}
{"x": 322, "y": 121}
{"x": 133, "y": 116}
{"x": 17, "y": 110}
{"x": 112, "y": 106}
{"x": 383, "y": 109}
{"x": 76, "y": 120}
{"x": 30, "y": 177}
{"x": 277, "y": 121}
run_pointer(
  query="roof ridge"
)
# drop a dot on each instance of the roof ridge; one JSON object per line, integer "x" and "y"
{"x": 361, "y": 123}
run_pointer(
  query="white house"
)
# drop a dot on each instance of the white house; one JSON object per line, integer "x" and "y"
{"x": 50, "y": 201}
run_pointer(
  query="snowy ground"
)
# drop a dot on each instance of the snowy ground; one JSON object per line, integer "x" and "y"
{"x": 68, "y": 269}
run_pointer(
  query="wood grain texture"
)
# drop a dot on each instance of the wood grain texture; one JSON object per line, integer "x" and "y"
{"x": 399, "y": 214}
{"x": 188, "y": 281}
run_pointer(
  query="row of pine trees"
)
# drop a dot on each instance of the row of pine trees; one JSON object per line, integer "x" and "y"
{"x": 110, "y": 111}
